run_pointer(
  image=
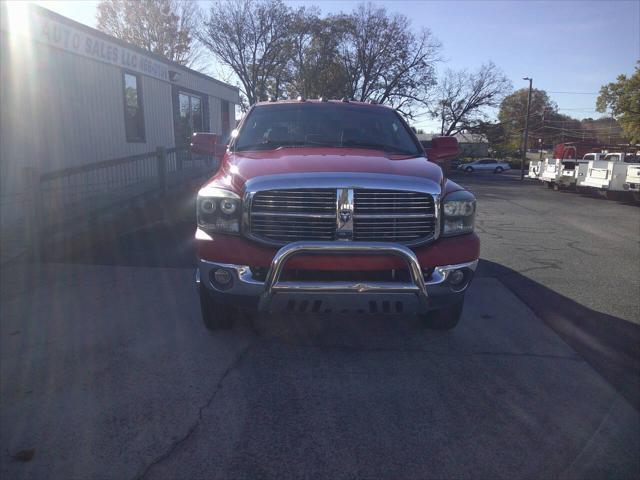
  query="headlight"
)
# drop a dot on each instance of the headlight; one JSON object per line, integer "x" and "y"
{"x": 459, "y": 212}
{"x": 218, "y": 210}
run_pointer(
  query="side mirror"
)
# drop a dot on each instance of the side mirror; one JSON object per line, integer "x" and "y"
{"x": 203, "y": 143}
{"x": 441, "y": 148}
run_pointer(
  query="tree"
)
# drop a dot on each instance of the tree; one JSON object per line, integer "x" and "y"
{"x": 603, "y": 130}
{"x": 386, "y": 62}
{"x": 513, "y": 111}
{"x": 163, "y": 27}
{"x": 623, "y": 99}
{"x": 254, "y": 39}
{"x": 315, "y": 67}
{"x": 464, "y": 97}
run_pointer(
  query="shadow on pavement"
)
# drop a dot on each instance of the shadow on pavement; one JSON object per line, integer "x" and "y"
{"x": 159, "y": 234}
{"x": 610, "y": 344}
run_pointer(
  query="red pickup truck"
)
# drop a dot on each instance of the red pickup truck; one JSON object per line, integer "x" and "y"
{"x": 332, "y": 207}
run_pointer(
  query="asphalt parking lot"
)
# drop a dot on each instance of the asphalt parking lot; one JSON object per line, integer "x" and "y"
{"x": 107, "y": 371}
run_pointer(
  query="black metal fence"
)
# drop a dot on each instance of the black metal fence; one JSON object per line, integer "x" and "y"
{"x": 77, "y": 195}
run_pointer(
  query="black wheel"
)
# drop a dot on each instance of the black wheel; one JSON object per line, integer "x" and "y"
{"x": 549, "y": 185}
{"x": 609, "y": 195}
{"x": 581, "y": 190}
{"x": 499, "y": 170}
{"x": 215, "y": 315}
{"x": 468, "y": 169}
{"x": 445, "y": 318}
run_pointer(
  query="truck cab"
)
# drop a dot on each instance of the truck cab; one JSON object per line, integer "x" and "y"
{"x": 330, "y": 207}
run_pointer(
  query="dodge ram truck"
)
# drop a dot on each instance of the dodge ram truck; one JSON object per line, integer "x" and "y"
{"x": 326, "y": 207}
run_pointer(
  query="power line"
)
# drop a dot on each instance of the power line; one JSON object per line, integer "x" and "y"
{"x": 580, "y": 109}
{"x": 578, "y": 93}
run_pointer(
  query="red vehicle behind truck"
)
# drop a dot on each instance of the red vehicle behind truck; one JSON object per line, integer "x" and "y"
{"x": 332, "y": 207}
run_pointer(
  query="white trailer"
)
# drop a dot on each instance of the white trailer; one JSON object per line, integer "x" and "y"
{"x": 608, "y": 176}
{"x": 534, "y": 169}
{"x": 580, "y": 171}
{"x": 632, "y": 181}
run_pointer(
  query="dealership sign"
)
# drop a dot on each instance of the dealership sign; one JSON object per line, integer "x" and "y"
{"x": 78, "y": 41}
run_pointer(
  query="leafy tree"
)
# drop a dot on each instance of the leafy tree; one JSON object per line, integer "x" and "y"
{"x": 315, "y": 67}
{"x": 513, "y": 111}
{"x": 465, "y": 96}
{"x": 254, "y": 39}
{"x": 623, "y": 99}
{"x": 603, "y": 130}
{"x": 164, "y": 27}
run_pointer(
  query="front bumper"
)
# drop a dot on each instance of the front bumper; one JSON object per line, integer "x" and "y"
{"x": 423, "y": 291}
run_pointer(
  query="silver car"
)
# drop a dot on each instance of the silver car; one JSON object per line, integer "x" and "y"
{"x": 485, "y": 165}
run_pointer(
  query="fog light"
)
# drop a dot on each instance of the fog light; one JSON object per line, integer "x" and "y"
{"x": 456, "y": 278}
{"x": 221, "y": 278}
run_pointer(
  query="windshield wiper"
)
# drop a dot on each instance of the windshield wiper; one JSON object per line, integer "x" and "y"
{"x": 377, "y": 146}
{"x": 270, "y": 145}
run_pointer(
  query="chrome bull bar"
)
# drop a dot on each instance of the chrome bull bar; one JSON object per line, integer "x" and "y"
{"x": 273, "y": 285}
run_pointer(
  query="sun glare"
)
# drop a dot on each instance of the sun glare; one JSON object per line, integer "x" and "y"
{"x": 17, "y": 16}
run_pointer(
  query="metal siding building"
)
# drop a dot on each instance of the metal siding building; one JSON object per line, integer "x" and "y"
{"x": 62, "y": 100}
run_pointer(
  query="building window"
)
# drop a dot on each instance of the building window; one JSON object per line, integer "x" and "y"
{"x": 133, "y": 115}
{"x": 190, "y": 118}
{"x": 226, "y": 118}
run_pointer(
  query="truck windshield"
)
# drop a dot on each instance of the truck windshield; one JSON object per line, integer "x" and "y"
{"x": 325, "y": 124}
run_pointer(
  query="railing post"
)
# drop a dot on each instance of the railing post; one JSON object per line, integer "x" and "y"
{"x": 179, "y": 160}
{"x": 33, "y": 213}
{"x": 161, "y": 156}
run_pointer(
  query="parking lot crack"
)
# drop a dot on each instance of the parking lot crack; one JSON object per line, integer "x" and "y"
{"x": 180, "y": 441}
{"x": 409, "y": 350}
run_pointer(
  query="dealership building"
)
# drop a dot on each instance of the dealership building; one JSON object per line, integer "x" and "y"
{"x": 71, "y": 95}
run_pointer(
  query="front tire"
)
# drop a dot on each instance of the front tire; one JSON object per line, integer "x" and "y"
{"x": 215, "y": 315}
{"x": 469, "y": 170}
{"x": 609, "y": 195}
{"x": 444, "y": 318}
{"x": 499, "y": 170}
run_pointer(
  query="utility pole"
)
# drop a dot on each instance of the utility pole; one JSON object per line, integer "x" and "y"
{"x": 526, "y": 129}
{"x": 443, "y": 103}
{"x": 540, "y": 140}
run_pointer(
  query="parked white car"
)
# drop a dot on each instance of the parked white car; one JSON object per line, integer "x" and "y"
{"x": 485, "y": 165}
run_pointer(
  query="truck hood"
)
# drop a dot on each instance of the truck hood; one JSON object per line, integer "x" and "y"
{"x": 239, "y": 168}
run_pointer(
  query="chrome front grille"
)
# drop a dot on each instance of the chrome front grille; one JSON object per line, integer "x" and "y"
{"x": 393, "y": 216}
{"x": 379, "y": 202}
{"x": 283, "y": 216}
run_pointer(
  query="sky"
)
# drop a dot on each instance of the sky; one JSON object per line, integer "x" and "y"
{"x": 565, "y": 46}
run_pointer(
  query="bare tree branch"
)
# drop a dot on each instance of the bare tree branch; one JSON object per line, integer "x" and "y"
{"x": 464, "y": 97}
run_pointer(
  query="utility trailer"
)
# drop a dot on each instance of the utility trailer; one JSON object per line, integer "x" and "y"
{"x": 560, "y": 171}
{"x": 609, "y": 176}
{"x": 535, "y": 168}
{"x": 632, "y": 181}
